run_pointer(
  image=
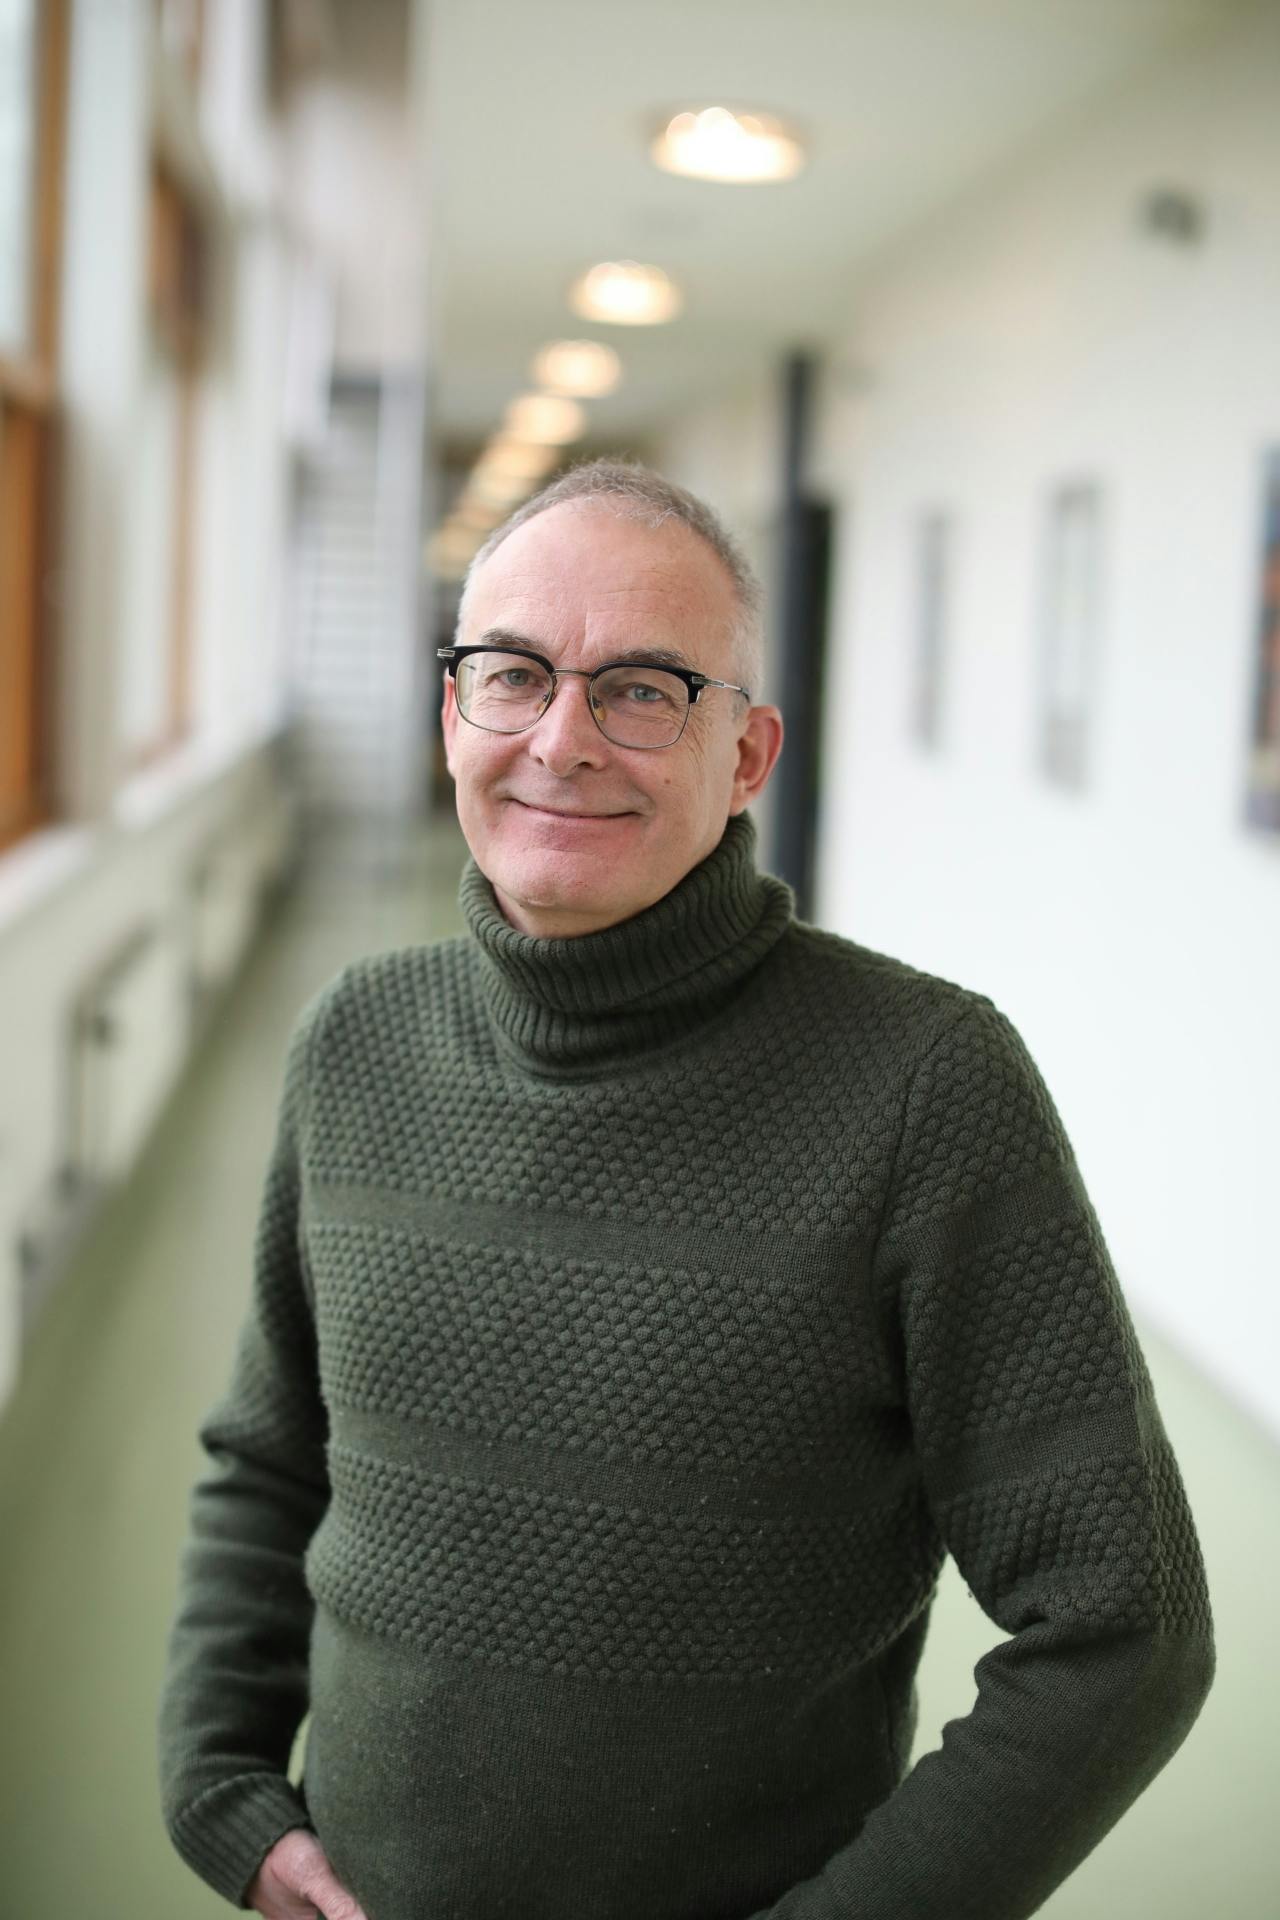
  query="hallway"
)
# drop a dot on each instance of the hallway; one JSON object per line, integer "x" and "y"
{"x": 97, "y": 1452}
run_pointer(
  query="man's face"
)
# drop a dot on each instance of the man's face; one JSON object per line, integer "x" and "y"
{"x": 573, "y": 832}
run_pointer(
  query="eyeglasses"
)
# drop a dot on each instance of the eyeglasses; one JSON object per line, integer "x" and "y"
{"x": 505, "y": 690}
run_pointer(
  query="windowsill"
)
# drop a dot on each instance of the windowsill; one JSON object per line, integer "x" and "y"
{"x": 158, "y": 791}
{"x": 39, "y": 867}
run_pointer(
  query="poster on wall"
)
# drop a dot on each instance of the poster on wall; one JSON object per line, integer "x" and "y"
{"x": 1071, "y": 632}
{"x": 933, "y": 560}
{"x": 1263, "y": 795}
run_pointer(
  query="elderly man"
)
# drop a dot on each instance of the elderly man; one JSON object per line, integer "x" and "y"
{"x": 650, "y": 1290}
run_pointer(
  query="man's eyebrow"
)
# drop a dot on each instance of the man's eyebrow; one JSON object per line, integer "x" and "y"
{"x": 630, "y": 657}
{"x": 504, "y": 637}
{"x": 653, "y": 657}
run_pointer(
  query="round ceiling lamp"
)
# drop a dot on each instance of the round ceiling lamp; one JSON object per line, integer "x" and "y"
{"x": 546, "y": 418}
{"x": 581, "y": 368}
{"x": 522, "y": 459}
{"x": 470, "y": 514}
{"x": 624, "y": 293}
{"x": 717, "y": 144}
{"x": 490, "y": 489}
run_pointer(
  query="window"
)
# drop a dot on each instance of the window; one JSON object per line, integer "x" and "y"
{"x": 155, "y": 685}
{"x": 1263, "y": 802}
{"x": 33, "y": 57}
{"x": 17, "y": 170}
{"x": 932, "y": 617}
{"x": 1071, "y": 634}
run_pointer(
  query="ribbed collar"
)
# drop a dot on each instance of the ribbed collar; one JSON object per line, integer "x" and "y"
{"x": 597, "y": 998}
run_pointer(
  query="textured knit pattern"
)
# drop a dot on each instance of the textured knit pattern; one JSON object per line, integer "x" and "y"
{"x": 637, "y": 1323}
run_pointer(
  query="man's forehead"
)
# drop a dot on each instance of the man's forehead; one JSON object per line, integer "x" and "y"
{"x": 599, "y": 572}
{"x": 593, "y": 550}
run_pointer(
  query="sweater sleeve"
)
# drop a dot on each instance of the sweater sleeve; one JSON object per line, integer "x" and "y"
{"x": 235, "y": 1686}
{"x": 1049, "y": 1477}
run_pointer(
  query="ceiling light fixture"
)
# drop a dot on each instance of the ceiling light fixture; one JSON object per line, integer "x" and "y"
{"x": 584, "y": 368}
{"x": 625, "y": 294}
{"x": 474, "y": 515}
{"x": 546, "y": 418}
{"x": 527, "y": 459}
{"x": 496, "y": 489}
{"x": 717, "y": 144}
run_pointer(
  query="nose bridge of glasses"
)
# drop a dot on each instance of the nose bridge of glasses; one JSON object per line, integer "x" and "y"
{"x": 573, "y": 673}
{"x": 568, "y": 710}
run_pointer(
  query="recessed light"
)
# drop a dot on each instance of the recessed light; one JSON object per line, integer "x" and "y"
{"x": 527, "y": 459}
{"x": 476, "y": 516}
{"x": 585, "y": 368}
{"x": 625, "y": 294}
{"x": 546, "y": 418}
{"x": 718, "y": 144}
{"x": 496, "y": 489}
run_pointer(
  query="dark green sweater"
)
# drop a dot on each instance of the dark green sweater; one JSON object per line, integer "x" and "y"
{"x": 638, "y": 1320}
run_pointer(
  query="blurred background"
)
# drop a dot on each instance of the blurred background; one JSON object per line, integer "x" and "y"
{"x": 965, "y": 315}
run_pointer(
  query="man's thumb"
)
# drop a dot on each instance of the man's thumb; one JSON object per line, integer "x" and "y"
{"x": 319, "y": 1884}
{"x": 299, "y": 1867}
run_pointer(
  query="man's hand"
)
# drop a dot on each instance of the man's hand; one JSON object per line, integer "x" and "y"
{"x": 296, "y": 1882}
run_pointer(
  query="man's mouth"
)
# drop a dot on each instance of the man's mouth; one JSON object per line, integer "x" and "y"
{"x": 570, "y": 813}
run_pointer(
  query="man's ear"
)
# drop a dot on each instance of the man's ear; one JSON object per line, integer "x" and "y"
{"x": 759, "y": 745}
{"x": 449, "y": 720}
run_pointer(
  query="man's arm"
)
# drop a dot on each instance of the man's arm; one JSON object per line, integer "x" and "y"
{"x": 1049, "y": 1476}
{"x": 235, "y": 1686}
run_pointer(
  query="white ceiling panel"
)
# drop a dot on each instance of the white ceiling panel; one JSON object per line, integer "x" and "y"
{"x": 539, "y": 116}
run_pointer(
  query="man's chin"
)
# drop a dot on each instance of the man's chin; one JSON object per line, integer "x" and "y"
{"x": 552, "y": 881}
{"x": 556, "y": 893}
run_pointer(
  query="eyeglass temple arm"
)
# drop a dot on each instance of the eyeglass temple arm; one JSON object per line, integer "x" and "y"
{"x": 697, "y": 681}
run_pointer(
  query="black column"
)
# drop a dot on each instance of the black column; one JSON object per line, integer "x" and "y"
{"x": 804, "y": 567}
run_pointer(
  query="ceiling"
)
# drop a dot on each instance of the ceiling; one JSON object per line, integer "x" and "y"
{"x": 538, "y": 117}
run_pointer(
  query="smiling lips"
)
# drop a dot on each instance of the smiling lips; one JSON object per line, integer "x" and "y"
{"x": 559, "y": 813}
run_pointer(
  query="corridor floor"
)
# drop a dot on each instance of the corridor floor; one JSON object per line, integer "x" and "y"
{"x": 98, "y": 1451}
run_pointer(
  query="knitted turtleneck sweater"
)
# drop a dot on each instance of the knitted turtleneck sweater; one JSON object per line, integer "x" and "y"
{"x": 637, "y": 1322}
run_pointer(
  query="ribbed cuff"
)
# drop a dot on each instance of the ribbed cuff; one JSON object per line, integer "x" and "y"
{"x": 226, "y": 1833}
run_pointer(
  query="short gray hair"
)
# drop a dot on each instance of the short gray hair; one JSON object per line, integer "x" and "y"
{"x": 638, "y": 493}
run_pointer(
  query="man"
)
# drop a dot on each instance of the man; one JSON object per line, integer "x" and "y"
{"x": 650, "y": 1290}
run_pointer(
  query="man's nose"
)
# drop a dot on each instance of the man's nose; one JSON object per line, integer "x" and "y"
{"x": 567, "y": 735}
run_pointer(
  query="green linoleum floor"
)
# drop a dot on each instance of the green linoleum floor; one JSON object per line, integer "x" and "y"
{"x": 98, "y": 1450}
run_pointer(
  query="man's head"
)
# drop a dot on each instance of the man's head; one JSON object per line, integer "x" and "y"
{"x": 574, "y": 831}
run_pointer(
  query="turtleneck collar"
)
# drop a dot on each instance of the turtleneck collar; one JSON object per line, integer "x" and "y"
{"x": 597, "y": 998}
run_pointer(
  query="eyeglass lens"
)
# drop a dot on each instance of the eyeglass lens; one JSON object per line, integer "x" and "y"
{"x": 634, "y": 706}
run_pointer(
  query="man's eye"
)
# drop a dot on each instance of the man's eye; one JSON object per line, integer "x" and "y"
{"x": 642, "y": 693}
{"x": 514, "y": 679}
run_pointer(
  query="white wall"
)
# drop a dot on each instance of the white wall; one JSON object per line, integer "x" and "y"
{"x": 1035, "y": 335}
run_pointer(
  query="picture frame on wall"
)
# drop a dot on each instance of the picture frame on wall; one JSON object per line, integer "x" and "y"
{"x": 1071, "y": 624}
{"x": 934, "y": 559}
{"x": 1262, "y": 798}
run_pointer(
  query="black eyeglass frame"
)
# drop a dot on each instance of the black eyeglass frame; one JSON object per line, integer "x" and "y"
{"x": 694, "y": 683}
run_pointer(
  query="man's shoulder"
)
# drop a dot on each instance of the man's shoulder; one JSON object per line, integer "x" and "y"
{"x": 384, "y": 988}
{"x": 861, "y": 991}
